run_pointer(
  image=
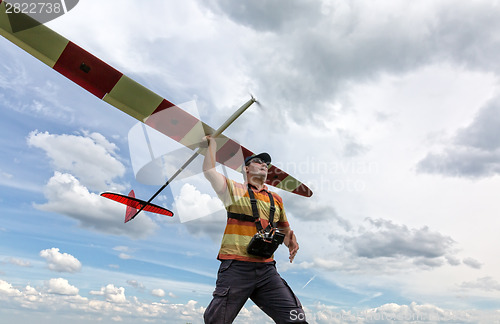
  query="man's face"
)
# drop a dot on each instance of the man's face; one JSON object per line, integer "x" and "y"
{"x": 257, "y": 167}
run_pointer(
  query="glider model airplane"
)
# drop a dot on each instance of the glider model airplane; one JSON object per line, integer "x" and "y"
{"x": 120, "y": 91}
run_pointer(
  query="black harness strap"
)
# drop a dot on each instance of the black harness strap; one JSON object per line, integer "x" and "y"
{"x": 241, "y": 217}
{"x": 272, "y": 210}
{"x": 255, "y": 211}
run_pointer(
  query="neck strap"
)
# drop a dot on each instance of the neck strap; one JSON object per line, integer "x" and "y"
{"x": 255, "y": 211}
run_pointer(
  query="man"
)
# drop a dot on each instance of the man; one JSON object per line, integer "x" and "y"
{"x": 242, "y": 275}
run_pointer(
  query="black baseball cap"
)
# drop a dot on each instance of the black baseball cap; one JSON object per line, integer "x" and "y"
{"x": 263, "y": 156}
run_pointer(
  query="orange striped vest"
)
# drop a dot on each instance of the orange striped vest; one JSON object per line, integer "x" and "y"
{"x": 238, "y": 233}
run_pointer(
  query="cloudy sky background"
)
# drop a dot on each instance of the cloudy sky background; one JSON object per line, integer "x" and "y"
{"x": 389, "y": 110}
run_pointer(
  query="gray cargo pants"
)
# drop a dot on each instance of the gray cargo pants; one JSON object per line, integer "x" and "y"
{"x": 239, "y": 280}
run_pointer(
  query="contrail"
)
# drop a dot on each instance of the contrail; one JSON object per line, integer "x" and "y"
{"x": 309, "y": 281}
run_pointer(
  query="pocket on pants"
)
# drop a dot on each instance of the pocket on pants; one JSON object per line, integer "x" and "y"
{"x": 225, "y": 265}
{"x": 297, "y": 301}
{"x": 216, "y": 311}
{"x": 221, "y": 292}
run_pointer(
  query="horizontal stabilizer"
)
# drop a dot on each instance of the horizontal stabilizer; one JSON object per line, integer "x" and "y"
{"x": 133, "y": 204}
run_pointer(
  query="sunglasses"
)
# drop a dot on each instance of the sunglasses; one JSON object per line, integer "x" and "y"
{"x": 258, "y": 161}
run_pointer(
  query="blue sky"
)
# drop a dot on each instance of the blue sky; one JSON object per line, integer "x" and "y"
{"x": 389, "y": 112}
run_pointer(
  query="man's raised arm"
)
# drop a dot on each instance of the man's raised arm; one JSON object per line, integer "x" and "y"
{"x": 217, "y": 180}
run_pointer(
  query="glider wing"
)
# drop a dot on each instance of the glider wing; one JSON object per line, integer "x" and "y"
{"x": 117, "y": 89}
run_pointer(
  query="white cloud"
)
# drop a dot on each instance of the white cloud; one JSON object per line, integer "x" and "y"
{"x": 32, "y": 294}
{"x": 314, "y": 212}
{"x": 202, "y": 213}
{"x": 192, "y": 204}
{"x": 484, "y": 284}
{"x": 121, "y": 248}
{"x": 135, "y": 284}
{"x": 60, "y": 299}
{"x": 452, "y": 260}
{"x": 115, "y": 305}
{"x": 14, "y": 76}
{"x": 310, "y": 62}
{"x": 92, "y": 159}
{"x": 473, "y": 263}
{"x": 6, "y": 289}
{"x": 396, "y": 313}
{"x": 112, "y": 294}
{"x": 386, "y": 239}
{"x": 6, "y": 175}
{"x": 125, "y": 256}
{"x": 68, "y": 197}
{"x": 158, "y": 292}
{"x": 43, "y": 99}
{"x": 473, "y": 152}
{"x": 61, "y": 286}
{"x": 19, "y": 262}
{"x": 409, "y": 313}
{"x": 377, "y": 246}
{"x": 60, "y": 262}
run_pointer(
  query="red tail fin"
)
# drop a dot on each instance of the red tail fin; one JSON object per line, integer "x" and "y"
{"x": 130, "y": 210}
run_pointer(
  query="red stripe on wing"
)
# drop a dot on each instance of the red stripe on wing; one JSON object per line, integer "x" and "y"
{"x": 86, "y": 70}
{"x": 275, "y": 176}
{"x": 303, "y": 190}
{"x": 171, "y": 120}
{"x": 229, "y": 155}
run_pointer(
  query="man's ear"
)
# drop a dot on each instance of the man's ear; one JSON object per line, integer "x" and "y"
{"x": 244, "y": 173}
